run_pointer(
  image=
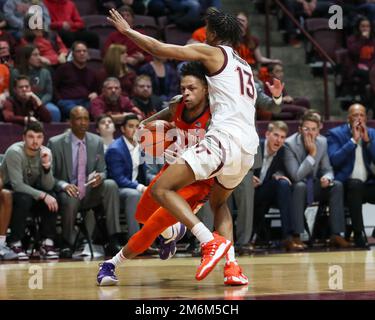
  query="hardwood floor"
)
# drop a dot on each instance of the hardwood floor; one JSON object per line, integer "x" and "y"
{"x": 277, "y": 276}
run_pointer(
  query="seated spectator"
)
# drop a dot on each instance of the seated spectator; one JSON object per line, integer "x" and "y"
{"x": 361, "y": 47}
{"x": 16, "y": 10}
{"x": 249, "y": 46}
{"x": 308, "y": 167}
{"x": 143, "y": 98}
{"x": 5, "y": 214}
{"x": 106, "y": 129}
{"x": 24, "y": 106}
{"x": 272, "y": 186}
{"x": 29, "y": 63}
{"x": 4, "y": 73}
{"x": 66, "y": 20}
{"x": 124, "y": 165}
{"x": 5, "y": 54}
{"x": 163, "y": 76}
{"x": 81, "y": 184}
{"x": 27, "y": 170}
{"x": 75, "y": 83}
{"x": 52, "y": 49}
{"x": 112, "y": 102}
{"x": 186, "y": 14}
{"x": 115, "y": 65}
{"x": 4, "y": 34}
{"x": 136, "y": 56}
{"x": 351, "y": 149}
{"x": 291, "y": 108}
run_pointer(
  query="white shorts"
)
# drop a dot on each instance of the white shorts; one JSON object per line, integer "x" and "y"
{"x": 219, "y": 155}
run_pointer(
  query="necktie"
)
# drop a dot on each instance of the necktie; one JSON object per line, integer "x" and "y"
{"x": 81, "y": 174}
{"x": 310, "y": 189}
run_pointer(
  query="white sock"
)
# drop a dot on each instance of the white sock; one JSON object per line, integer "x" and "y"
{"x": 2, "y": 240}
{"x": 117, "y": 259}
{"x": 16, "y": 244}
{"x": 201, "y": 232}
{"x": 48, "y": 242}
{"x": 230, "y": 256}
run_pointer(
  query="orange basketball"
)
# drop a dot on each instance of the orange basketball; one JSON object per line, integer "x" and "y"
{"x": 154, "y": 138}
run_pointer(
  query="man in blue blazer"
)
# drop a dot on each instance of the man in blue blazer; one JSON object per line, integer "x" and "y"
{"x": 124, "y": 165}
{"x": 351, "y": 149}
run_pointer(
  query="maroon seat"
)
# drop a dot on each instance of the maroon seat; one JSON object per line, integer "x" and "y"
{"x": 103, "y": 32}
{"x": 144, "y": 20}
{"x": 329, "y": 40}
{"x": 174, "y": 35}
{"x": 95, "y": 62}
{"x": 95, "y": 20}
{"x": 86, "y": 7}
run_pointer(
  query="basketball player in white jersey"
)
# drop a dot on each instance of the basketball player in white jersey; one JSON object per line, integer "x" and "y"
{"x": 228, "y": 149}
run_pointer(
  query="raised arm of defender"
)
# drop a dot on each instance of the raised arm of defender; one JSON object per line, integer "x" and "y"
{"x": 211, "y": 57}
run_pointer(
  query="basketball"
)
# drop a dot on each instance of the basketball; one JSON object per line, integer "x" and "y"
{"x": 154, "y": 137}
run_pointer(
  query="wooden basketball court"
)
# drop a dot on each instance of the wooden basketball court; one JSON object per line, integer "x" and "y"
{"x": 314, "y": 275}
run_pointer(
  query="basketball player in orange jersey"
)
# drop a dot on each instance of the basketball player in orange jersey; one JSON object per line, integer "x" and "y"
{"x": 190, "y": 113}
{"x": 228, "y": 148}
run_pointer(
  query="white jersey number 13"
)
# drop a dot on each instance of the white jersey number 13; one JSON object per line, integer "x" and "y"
{"x": 246, "y": 86}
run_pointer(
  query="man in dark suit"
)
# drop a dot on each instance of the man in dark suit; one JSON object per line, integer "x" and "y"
{"x": 125, "y": 166}
{"x": 80, "y": 174}
{"x": 308, "y": 167}
{"x": 272, "y": 187}
{"x": 351, "y": 149}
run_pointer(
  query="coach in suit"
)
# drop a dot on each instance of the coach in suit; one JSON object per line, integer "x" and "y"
{"x": 124, "y": 163}
{"x": 80, "y": 173}
{"x": 272, "y": 187}
{"x": 308, "y": 167}
{"x": 351, "y": 148}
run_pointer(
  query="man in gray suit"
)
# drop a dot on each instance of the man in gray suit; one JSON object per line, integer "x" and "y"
{"x": 80, "y": 174}
{"x": 242, "y": 197}
{"x": 308, "y": 167}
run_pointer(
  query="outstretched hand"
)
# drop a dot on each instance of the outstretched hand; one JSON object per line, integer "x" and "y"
{"x": 277, "y": 88}
{"x": 118, "y": 21}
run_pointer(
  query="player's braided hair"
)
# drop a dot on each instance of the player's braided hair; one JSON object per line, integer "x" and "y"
{"x": 225, "y": 26}
{"x": 195, "y": 69}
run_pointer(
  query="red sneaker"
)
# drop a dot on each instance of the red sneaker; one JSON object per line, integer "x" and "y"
{"x": 212, "y": 252}
{"x": 233, "y": 275}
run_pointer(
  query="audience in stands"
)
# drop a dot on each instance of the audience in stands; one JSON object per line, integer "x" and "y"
{"x": 16, "y": 10}
{"x": 115, "y": 65}
{"x": 361, "y": 47}
{"x": 24, "y": 106}
{"x": 143, "y": 96}
{"x": 351, "y": 149}
{"x": 27, "y": 170}
{"x": 125, "y": 166}
{"x": 249, "y": 45}
{"x": 136, "y": 56}
{"x": 138, "y": 6}
{"x": 66, "y": 20}
{"x": 186, "y": 14}
{"x": 4, "y": 73}
{"x": 81, "y": 184}
{"x": 106, "y": 129}
{"x": 74, "y": 82}
{"x": 272, "y": 186}
{"x": 292, "y": 108}
{"x": 6, "y": 205}
{"x": 52, "y": 49}
{"x": 29, "y": 63}
{"x": 113, "y": 103}
{"x": 163, "y": 76}
{"x": 308, "y": 167}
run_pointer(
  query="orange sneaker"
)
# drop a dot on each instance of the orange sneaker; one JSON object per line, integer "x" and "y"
{"x": 212, "y": 252}
{"x": 233, "y": 275}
